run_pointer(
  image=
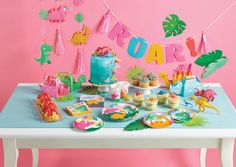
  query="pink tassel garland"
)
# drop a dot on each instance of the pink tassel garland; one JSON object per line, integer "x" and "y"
{"x": 59, "y": 48}
{"x": 79, "y": 64}
{"x": 203, "y": 47}
{"x": 103, "y": 26}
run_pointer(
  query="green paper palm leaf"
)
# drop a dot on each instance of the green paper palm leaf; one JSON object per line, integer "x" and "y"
{"x": 65, "y": 99}
{"x": 205, "y": 59}
{"x": 133, "y": 71}
{"x": 89, "y": 90}
{"x": 173, "y": 26}
{"x": 197, "y": 121}
{"x": 211, "y": 68}
{"x": 136, "y": 125}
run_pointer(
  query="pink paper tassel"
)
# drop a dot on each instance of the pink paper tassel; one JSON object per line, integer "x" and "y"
{"x": 203, "y": 47}
{"x": 59, "y": 48}
{"x": 79, "y": 64}
{"x": 103, "y": 26}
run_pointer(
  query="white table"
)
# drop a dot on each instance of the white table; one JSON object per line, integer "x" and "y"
{"x": 15, "y": 138}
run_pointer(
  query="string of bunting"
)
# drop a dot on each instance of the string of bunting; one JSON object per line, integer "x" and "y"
{"x": 160, "y": 53}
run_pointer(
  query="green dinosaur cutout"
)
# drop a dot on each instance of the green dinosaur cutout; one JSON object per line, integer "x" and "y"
{"x": 136, "y": 125}
{"x": 68, "y": 79}
{"x": 44, "y": 49}
{"x": 211, "y": 68}
{"x": 205, "y": 59}
{"x": 173, "y": 26}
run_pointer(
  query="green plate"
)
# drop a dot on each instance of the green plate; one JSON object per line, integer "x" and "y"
{"x": 182, "y": 115}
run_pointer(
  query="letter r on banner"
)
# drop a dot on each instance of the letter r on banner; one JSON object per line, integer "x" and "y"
{"x": 119, "y": 32}
{"x": 173, "y": 52}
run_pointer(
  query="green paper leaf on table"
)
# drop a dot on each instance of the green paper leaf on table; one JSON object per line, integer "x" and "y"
{"x": 89, "y": 90}
{"x": 205, "y": 59}
{"x": 197, "y": 121}
{"x": 136, "y": 125}
{"x": 65, "y": 99}
{"x": 173, "y": 26}
{"x": 211, "y": 68}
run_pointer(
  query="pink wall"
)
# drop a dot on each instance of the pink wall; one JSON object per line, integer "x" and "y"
{"x": 19, "y": 44}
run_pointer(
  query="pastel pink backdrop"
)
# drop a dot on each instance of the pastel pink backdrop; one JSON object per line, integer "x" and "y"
{"x": 20, "y": 39}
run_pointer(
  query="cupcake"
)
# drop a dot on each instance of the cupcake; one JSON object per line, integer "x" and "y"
{"x": 153, "y": 79}
{"x": 174, "y": 101}
{"x": 144, "y": 82}
{"x": 138, "y": 99}
{"x": 135, "y": 80}
{"x": 151, "y": 103}
{"x": 162, "y": 97}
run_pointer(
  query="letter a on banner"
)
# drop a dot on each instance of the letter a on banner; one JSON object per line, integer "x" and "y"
{"x": 137, "y": 47}
{"x": 155, "y": 54}
{"x": 119, "y": 32}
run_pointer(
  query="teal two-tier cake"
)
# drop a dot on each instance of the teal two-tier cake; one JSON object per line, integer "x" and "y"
{"x": 102, "y": 67}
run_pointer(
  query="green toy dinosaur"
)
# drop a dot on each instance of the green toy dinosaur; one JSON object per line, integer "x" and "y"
{"x": 203, "y": 103}
{"x": 44, "y": 49}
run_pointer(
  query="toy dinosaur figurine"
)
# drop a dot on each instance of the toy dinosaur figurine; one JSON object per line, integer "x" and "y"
{"x": 164, "y": 77}
{"x": 186, "y": 103}
{"x": 44, "y": 49}
{"x": 209, "y": 94}
{"x": 203, "y": 103}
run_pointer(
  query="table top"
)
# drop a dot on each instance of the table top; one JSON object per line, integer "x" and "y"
{"x": 11, "y": 125}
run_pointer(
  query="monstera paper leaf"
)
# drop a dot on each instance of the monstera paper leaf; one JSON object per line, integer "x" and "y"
{"x": 173, "y": 26}
{"x": 205, "y": 59}
{"x": 211, "y": 68}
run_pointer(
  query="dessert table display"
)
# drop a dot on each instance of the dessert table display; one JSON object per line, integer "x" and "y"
{"x": 22, "y": 127}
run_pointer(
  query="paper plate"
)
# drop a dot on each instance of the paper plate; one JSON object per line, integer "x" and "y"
{"x": 120, "y": 112}
{"x": 88, "y": 123}
{"x": 158, "y": 120}
{"x": 182, "y": 115}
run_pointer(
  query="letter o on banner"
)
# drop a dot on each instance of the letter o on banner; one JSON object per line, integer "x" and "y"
{"x": 135, "y": 52}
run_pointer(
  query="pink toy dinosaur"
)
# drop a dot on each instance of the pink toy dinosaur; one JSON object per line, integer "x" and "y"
{"x": 209, "y": 94}
{"x": 57, "y": 15}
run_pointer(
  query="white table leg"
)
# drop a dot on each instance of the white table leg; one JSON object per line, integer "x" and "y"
{"x": 35, "y": 157}
{"x": 203, "y": 157}
{"x": 226, "y": 152}
{"x": 10, "y": 152}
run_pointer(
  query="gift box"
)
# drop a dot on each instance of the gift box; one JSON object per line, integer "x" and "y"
{"x": 186, "y": 87}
